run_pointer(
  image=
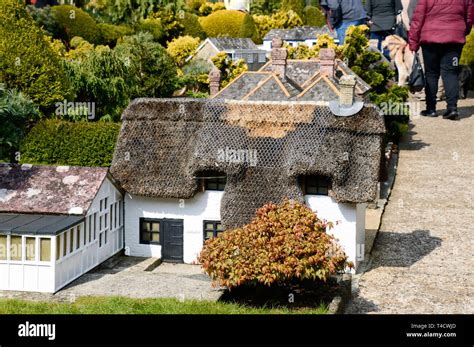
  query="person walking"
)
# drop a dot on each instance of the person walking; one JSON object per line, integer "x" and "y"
{"x": 351, "y": 13}
{"x": 382, "y": 16}
{"x": 440, "y": 27}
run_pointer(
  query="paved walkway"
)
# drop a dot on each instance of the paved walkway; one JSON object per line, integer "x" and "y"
{"x": 126, "y": 276}
{"x": 423, "y": 257}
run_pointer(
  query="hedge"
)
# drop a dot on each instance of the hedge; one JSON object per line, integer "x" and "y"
{"x": 76, "y": 22}
{"x": 225, "y": 23}
{"x": 57, "y": 142}
{"x": 110, "y": 33}
{"x": 191, "y": 25}
{"x": 467, "y": 56}
{"x": 27, "y": 61}
{"x": 313, "y": 17}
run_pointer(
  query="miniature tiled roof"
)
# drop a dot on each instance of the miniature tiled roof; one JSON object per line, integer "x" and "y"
{"x": 232, "y": 43}
{"x": 303, "y": 82}
{"x": 299, "y": 33}
{"x": 48, "y": 189}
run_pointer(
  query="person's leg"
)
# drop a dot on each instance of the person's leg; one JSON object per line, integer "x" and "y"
{"x": 450, "y": 73}
{"x": 431, "y": 58}
{"x": 341, "y": 32}
{"x": 377, "y": 35}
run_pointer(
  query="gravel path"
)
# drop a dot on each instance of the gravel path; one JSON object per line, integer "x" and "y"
{"x": 423, "y": 257}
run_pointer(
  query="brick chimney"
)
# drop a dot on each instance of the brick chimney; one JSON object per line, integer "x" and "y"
{"x": 279, "y": 57}
{"x": 347, "y": 85}
{"x": 327, "y": 61}
{"x": 214, "y": 80}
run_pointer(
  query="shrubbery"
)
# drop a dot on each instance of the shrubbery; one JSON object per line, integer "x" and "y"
{"x": 230, "y": 69}
{"x": 467, "y": 56}
{"x": 58, "y": 142}
{"x": 153, "y": 26}
{"x": 313, "y": 16}
{"x": 181, "y": 48}
{"x": 16, "y": 111}
{"x": 278, "y": 20}
{"x": 191, "y": 25}
{"x": 282, "y": 243}
{"x": 75, "y": 22}
{"x": 293, "y": 5}
{"x": 229, "y": 23}
{"x": 27, "y": 61}
{"x": 110, "y": 33}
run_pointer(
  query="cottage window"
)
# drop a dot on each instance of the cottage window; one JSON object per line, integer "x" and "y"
{"x": 261, "y": 58}
{"x": 250, "y": 58}
{"x": 111, "y": 215}
{"x": 95, "y": 226}
{"x": 30, "y": 248}
{"x": 213, "y": 180}
{"x": 64, "y": 241}
{"x": 150, "y": 231}
{"x": 15, "y": 248}
{"x": 58, "y": 247}
{"x": 315, "y": 185}
{"x": 3, "y": 247}
{"x": 212, "y": 229}
{"x": 45, "y": 249}
{"x": 78, "y": 238}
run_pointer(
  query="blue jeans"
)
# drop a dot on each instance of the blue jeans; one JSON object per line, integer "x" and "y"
{"x": 342, "y": 28}
{"x": 380, "y": 36}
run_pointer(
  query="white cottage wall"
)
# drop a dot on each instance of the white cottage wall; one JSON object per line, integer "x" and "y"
{"x": 203, "y": 206}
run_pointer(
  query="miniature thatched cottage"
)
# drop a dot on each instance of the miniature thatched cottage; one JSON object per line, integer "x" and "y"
{"x": 193, "y": 168}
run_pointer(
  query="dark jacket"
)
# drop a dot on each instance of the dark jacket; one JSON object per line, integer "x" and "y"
{"x": 383, "y": 13}
{"x": 440, "y": 21}
{"x": 351, "y": 9}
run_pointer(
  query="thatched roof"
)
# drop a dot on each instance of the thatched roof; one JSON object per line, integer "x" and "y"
{"x": 48, "y": 189}
{"x": 164, "y": 144}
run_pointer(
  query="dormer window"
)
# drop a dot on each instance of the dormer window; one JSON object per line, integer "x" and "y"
{"x": 212, "y": 180}
{"x": 315, "y": 184}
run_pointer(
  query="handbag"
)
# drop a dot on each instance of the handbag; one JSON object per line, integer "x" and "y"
{"x": 416, "y": 81}
{"x": 401, "y": 30}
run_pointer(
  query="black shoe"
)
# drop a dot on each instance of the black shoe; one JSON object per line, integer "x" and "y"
{"x": 429, "y": 113}
{"x": 451, "y": 114}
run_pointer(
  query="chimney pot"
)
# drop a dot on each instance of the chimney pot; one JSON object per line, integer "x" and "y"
{"x": 327, "y": 61}
{"x": 347, "y": 85}
{"x": 214, "y": 80}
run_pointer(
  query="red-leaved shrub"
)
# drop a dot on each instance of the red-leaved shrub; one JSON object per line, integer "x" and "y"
{"x": 282, "y": 243}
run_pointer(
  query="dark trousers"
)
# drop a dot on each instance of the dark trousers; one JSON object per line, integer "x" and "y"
{"x": 441, "y": 59}
{"x": 380, "y": 36}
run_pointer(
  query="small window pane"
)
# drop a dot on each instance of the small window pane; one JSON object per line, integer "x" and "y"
{"x": 209, "y": 226}
{"x": 111, "y": 216}
{"x": 15, "y": 248}
{"x": 209, "y": 234}
{"x": 219, "y": 227}
{"x": 100, "y": 239}
{"x": 64, "y": 241}
{"x": 106, "y": 216}
{"x": 100, "y": 222}
{"x": 78, "y": 238}
{"x": 71, "y": 240}
{"x": 95, "y": 226}
{"x": 115, "y": 215}
{"x": 3, "y": 247}
{"x": 58, "y": 247}
{"x": 146, "y": 236}
{"x": 45, "y": 249}
{"x": 30, "y": 248}
{"x": 155, "y": 226}
{"x": 211, "y": 185}
{"x": 155, "y": 237}
{"x": 146, "y": 226}
{"x": 105, "y": 237}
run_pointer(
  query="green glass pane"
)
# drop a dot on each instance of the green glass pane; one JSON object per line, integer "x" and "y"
{"x": 45, "y": 249}
{"x": 155, "y": 226}
{"x": 3, "y": 247}
{"x": 15, "y": 248}
{"x": 146, "y": 236}
{"x": 155, "y": 237}
{"x": 30, "y": 248}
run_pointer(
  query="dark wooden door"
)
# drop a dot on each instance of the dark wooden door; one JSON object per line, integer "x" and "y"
{"x": 172, "y": 246}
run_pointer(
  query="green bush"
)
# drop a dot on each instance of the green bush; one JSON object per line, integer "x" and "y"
{"x": 57, "y": 142}
{"x": 27, "y": 61}
{"x": 181, "y": 48}
{"x": 249, "y": 29}
{"x": 110, "y": 33}
{"x": 313, "y": 17}
{"x": 153, "y": 26}
{"x": 170, "y": 21}
{"x": 278, "y": 20}
{"x": 282, "y": 243}
{"x": 45, "y": 19}
{"x": 264, "y": 7}
{"x": 152, "y": 67}
{"x": 293, "y": 5}
{"x": 104, "y": 77}
{"x": 76, "y": 22}
{"x": 467, "y": 56}
{"x": 191, "y": 25}
{"x": 16, "y": 110}
{"x": 230, "y": 69}
{"x": 224, "y": 23}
